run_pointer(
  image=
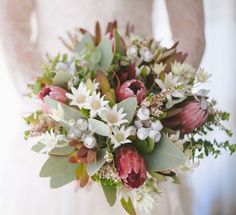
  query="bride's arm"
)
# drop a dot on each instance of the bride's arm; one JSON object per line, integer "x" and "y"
{"x": 187, "y": 25}
{"x": 21, "y": 53}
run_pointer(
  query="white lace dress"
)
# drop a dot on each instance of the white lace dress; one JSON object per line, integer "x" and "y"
{"x": 28, "y": 193}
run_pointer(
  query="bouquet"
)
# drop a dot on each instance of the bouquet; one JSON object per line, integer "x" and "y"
{"x": 125, "y": 112}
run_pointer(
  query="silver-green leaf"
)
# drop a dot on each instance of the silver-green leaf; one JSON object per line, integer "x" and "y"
{"x": 129, "y": 105}
{"x": 61, "y": 78}
{"x": 92, "y": 168}
{"x": 110, "y": 192}
{"x": 107, "y": 55}
{"x": 61, "y": 180}
{"x": 99, "y": 127}
{"x": 165, "y": 156}
{"x": 69, "y": 112}
{"x": 57, "y": 166}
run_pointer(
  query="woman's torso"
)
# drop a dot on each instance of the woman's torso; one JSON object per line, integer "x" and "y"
{"x": 56, "y": 18}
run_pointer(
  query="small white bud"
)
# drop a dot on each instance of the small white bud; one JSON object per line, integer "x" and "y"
{"x": 71, "y": 122}
{"x": 154, "y": 135}
{"x": 138, "y": 124}
{"x": 90, "y": 142}
{"x": 157, "y": 125}
{"x": 143, "y": 113}
{"x": 77, "y": 132}
{"x": 82, "y": 124}
{"x": 61, "y": 66}
{"x": 132, "y": 52}
{"x": 142, "y": 133}
{"x": 146, "y": 54}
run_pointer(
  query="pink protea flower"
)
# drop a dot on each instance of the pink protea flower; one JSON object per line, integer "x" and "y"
{"x": 56, "y": 93}
{"x": 131, "y": 88}
{"x": 127, "y": 74}
{"x": 188, "y": 116}
{"x": 130, "y": 166}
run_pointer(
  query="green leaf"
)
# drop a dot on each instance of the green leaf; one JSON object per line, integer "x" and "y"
{"x": 86, "y": 40}
{"x": 61, "y": 78}
{"x": 38, "y": 147}
{"x": 164, "y": 156}
{"x": 128, "y": 206}
{"x": 69, "y": 112}
{"x": 92, "y": 168}
{"x": 158, "y": 176}
{"x": 57, "y": 166}
{"x": 145, "y": 146}
{"x": 110, "y": 192}
{"x": 62, "y": 151}
{"x": 61, "y": 180}
{"x": 130, "y": 106}
{"x": 99, "y": 127}
{"x": 107, "y": 55}
{"x": 119, "y": 48}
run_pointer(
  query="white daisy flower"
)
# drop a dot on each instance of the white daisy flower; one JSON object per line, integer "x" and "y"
{"x": 92, "y": 85}
{"x": 169, "y": 82}
{"x": 202, "y": 76}
{"x": 79, "y": 96}
{"x": 51, "y": 140}
{"x": 113, "y": 116}
{"x": 57, "y": 114}
{"x": 120, "y": 136}
{"x": 143, "y": 200}
{"x": 96, "y": 104}
{"x": 158, "y": 68}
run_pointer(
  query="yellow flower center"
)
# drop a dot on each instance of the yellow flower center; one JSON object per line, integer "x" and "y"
{"x": 95, "y": 105}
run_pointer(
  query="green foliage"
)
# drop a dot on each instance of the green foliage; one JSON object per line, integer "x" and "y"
{"x": 128, "y": 206}
{"x": 38, "y": 147}
{"x": 110, "y": 192}
{"x": 92, "y": 168}
{"x": 57, "y": 166}
{"x": 129, "y": 105}
{"x": 201, "y": 148}
{"x": 33, "y": 118}
{"x": 99, "y": 127}
{"x": 144, "y": 146}
{"x": 164, "y": 156}
{"x": 61, "y": 79}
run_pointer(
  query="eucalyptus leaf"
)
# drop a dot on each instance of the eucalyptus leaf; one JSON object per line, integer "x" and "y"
{"x": 62, "y": 151}
{"x": 99, "y": 127}
{"x": 110, "y": 192}
{"x": 38, "y": 147}
{"x": 92, "y": 168}
{"x": 128, "y": 206}
{"x": 61, "y": 78}
{"x": 69, "y": 112}
{"x": 61, "y": 180}
{"x": 164, "y": 156}
{"x": 57, "y": 166}
{"x": 107, "y": 55}
{"x": 86, "y": 40}
{"x": 130, "y": 106}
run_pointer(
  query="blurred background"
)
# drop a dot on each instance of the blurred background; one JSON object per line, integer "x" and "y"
{"x": 213, "y": 183}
